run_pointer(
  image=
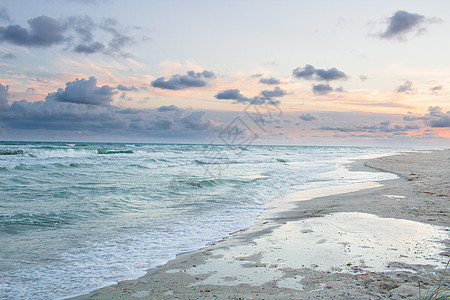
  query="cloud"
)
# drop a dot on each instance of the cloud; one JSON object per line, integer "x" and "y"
{"x": 330, "y": 74}
{"x": 380, "y": 128}
{"x": 310, "y": 73}
{"x": 160, "y": 124}
{"x": 400, "y": 23}
{"x": 101, "y": 120}
{"x": 276, "y": 92}
{"x": 324, "y": 89}
{"x": 84, "y": 91}
{"x": 443, "y": 121}
{"x": 403, "y": 22}
{"x": 4, "y": 93}
{"x": 436, "y": 89}
{"x": 375, "y": 103}
{"x": 79, "y": 34}
{"x": 406, "y": 88}
{"x": 266, "y": 96}
{"x": 307, "y": 117}
{"x": 230, "y": 94}
{"x": 86, "y": 30}
{"x": 119, "y": 40}
{"x": 168, "y": 108}
{"x": 306, "y": 72}
{"x": 4, "y": 15}
{"x": 435, "y": 117}
{"x": 435, "y": 111}
{"x": 270, "y": 81}
{"x": 89, "y": 48}
{"x": 44, "y": 32}
{"x": 124, "y": 88}
{"x": 8, "y": 55}
{"x": 196, "y": 121}
{"x": 180, "y": 82}
{"x": 363, "y": 77}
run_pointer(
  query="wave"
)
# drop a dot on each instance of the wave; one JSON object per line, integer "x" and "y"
{"x": 58, "y": 153}
{"x": 10, "y": 152}
{"x": 101, "y": 151}
{"x": 18, "y": 222}
{"x": 180, "y": 184}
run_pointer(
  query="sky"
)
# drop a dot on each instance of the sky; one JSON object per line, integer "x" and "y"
{"x": 369, "y": 73}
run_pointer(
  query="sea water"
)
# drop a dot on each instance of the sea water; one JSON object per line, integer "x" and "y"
{"x": 76, "y": 217}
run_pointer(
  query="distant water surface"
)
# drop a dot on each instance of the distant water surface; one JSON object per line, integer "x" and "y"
{"x": 76, "y": 217}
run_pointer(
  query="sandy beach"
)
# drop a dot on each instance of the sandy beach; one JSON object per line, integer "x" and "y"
{"x": 372, "y": 240}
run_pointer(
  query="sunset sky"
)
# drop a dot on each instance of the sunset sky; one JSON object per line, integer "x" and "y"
{"x": 269, "y": 72}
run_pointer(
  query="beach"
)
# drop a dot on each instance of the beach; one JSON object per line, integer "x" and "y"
{"x": 369, "y": 240}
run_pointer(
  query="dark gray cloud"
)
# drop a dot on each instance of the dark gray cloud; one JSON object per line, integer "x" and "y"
{"x": 4, "y": 15}
{"x": 270, "y": 81}
{"x": 402, "y": 22}
{"x": 83, "y": 26}
{"x": 437, "y": 88}
{"x": 436, "y": 117}
{"x": 412, "y": 118}
{"x": 330, "y": 74}
{"x": 160, "y": 124}
{"x": 307, "y": 117}
{"x": 43, "y": 32}
{"x": 276, "y": 92}
{"x": 406, "y": 88}
{"x": 7, "y": 55}
{"x": 84, "y": 91}
{"x": 380, "y": 128}
{"x": 125, "y": 88}
{"x": 79, "y": 34}
{"x": 266, "y": 96}
{"x": 233, "y": 94}
{"x": 306, "y": 72}
{"x": 123, "y": 96}
{"x": 310, "y": 73}
{"x": 166, "y": 108}
{"x": 322, "y": 89}
{"x": 128, "y": 111}
{"x": 86, "y": 30}
{"x": 196, "y": 121}
{"x": 89, "y": 48}
{"x": 119, "y": 39}
{"x": 435, "y": 111}
{"x": 4, "y": 93}
{"x": 441, "y": 122}
{"x": 75, "y": 116}
{"x": 180, "y": 82}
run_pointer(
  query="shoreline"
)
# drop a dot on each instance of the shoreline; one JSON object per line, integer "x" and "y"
{"x": 233, "y": 268}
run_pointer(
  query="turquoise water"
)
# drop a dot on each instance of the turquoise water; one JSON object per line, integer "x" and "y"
{"x": 76, "y": 217}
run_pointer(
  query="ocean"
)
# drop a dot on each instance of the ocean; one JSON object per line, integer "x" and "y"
{"x": 75, "y": 217}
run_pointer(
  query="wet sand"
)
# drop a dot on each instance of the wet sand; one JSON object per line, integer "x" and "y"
{"x": 371, "y": 240}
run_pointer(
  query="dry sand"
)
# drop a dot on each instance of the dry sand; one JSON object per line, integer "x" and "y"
{"x": 373, "y": 240}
